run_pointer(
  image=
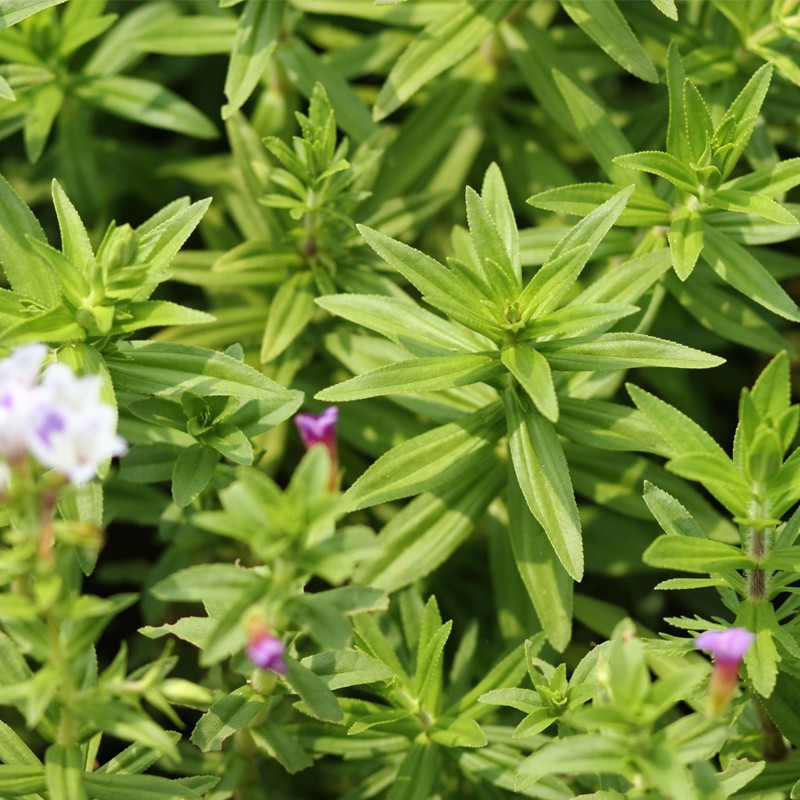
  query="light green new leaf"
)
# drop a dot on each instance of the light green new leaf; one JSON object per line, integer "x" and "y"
{"x": 406, "y": 324}
{"x": 6, "y": 92}
{"x": 667, "y": 8}
{"x": 75, "y": 242}
{"x": 740, "y": 269}
{"x": 14, "y": 11}
{"x": 532, "y": 371}
{"x": 613, "y": 351}
{"x": 685, "y": 238}
{"x": 439, "y": 285}
{"x": 664, "y": 165}
{"x": 417, "y": 375}
{"x": 547, "y": 582}
{"x": 441, "y": 45}
{"x": 569, "y": 257}
{"x": 256, "y": 40}
{"x": 690, "y": 554}
{"x": 581, "y": 754}
{"x": 581, "y": 199}
{"x": 576, "y": 319}
{"x": 670, "y": 514}
{"x": 495, "y": 196}
{"x": 491, "y": 249}
{"x": 603, "y": 22}
{"x": 543, "y": 477}
{"x": 148, "y": 103}
{"x": 770, "y": 181}
{"x": 428, "y": 460}
{"x": 736, "y": 127}
{"x": 751, "y": 203}
{"x": 29, "y": 277}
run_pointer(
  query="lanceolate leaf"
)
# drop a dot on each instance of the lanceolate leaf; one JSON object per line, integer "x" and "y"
{"x": 418, "y": 375}
{"x": 427, "y": 461}
{"x": 256, "y": 40}
{"x": 543, "y": 476}
{"x": 547, "y": 582}
{"x": 443, "y": 43}
{"x": 532, "y": 371}
{"x": 603, "y": 21}
{"x": 737, "y": 267}
{"x": 29, "y": 276}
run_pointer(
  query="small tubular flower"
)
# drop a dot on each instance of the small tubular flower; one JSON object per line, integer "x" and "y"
{"x": 728, "y": 647}
{"x": 321, "y": 429}
{"x": 266, "y": 652}
{"x": 59, "y": 419}
{"x": 318, "y": 429}
{"x": 20, "y": 397}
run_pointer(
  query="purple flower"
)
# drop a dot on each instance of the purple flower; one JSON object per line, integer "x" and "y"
{"x": 318, "y": 429}
{"x": 728, "y": 646}
{"x": 266, "y": 652}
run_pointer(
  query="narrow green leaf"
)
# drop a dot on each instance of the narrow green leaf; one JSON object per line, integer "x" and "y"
{"x": 547, "y": 582}
{"x": 75, "y": 242}
{"x": 491, "y": 249}
{"x": 146, "y": 103}
{"x": 318, "y": 698}
{"x": 664, "y": 165}
{"x": 438, "y": 285}
{"x": 736, "y": 266}
{"x": 418, "y": 773}
{"x": 406, "y": 324}
{"x": 45, "y": 105}
{"x": 543, "y": 477}
{"x": 428, "y": 460}
{"x": 613, "y": 351}
{"x": 603, "y": 22}
{"x": 291, "y": 310}
{"x": 272, "y": 739}
{"x": 31, "y": 278}
{"x": 417, "y": 375}
{"x": 690, "y": 554}
{"x": 256, "y": 40}
{"x": 670, "y": 514}
{"x": 14, "y": 11}
{"x": 442, "y": 44}
{"x": 581, "y": 754}
{"x": 495, "y": 195}
{"x": 63, "y": 767}
{"x": 751, "y": 203}
{"x": 736, "y": 127}
{"x": 228, "y": 715}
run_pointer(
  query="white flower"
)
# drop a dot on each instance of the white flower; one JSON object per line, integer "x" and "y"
{"x": 73, "y": 432}
{"x": 19, "y": 397}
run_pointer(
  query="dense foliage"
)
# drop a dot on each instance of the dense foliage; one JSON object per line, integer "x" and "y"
{"x": 527, "y": 553}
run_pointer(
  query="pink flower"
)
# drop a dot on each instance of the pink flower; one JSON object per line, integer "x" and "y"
{"x": 728, "y": 648}
{"x": 266, "y": 652}
{"x": 319, "y": 429}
